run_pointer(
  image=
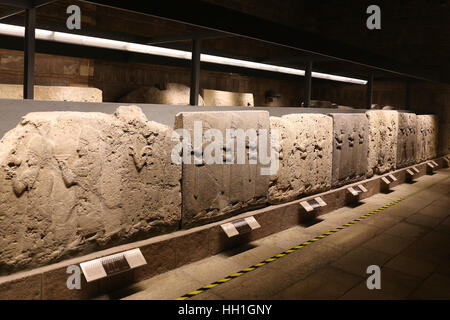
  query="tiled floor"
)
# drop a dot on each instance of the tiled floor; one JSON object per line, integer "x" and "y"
{"x": 409, "y": 241}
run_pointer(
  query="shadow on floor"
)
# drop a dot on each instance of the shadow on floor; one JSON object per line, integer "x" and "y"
{"x": 120, "y": 294}
{"x": 238, "y": 250}
{"x": 355, "y": 204}
{"x": 311, "y": 222}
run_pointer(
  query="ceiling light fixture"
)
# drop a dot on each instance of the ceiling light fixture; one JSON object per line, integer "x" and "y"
{"x": 18, "y": 31}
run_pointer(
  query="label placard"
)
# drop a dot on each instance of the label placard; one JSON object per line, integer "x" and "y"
{"x": 113, "y": 264}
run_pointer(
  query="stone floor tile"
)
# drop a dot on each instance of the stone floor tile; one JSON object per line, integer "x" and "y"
{"x": 394, "y": 285}
{"x": 388, "y": 244}
{"x": 407, "y": 230}
{"x": 423, "y": 220}
{"x": 353, "y": 236}
{"x": 435, "y": 210}
{"x": 358, "y": 260}
{"x": 436, "y": 287}
{"x": 411, "y": 266}
{"x": 167, "y": 286}
{"x": 261, "y": 284}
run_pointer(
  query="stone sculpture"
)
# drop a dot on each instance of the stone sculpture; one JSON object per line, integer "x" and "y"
{"x": 427, "y": 137}
{"x": 73, "y": 183}
{"x": 407, "y": 140}
{"x": 383, "y": 135}
{"x": 53, "y": 93}
{"x": 321, "y": 104}
{"x": 170, "y": 93}
{"x": 215, "y": 191}
{"x": 219, "y": 98}
{"x": 305, "y": 156}
{"x": 350, "y": 145}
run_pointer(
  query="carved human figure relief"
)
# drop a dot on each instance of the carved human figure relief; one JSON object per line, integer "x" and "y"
{"x": 339, "y": 139}
{"x": 351, "y": 138}
{"x": 83, "y": 176}
{"x": 361, "y": 135}
{"x": 303, "y": 151}
{"x": 24, "y": 172}
{"x": 69, "y": 186}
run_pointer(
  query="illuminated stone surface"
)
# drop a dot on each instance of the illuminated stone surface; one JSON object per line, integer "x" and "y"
{"x": 407, "y": 140}
{"x": 305, "y": 156}
{"x": 172, "y": 94}
{"x": 350, "y": 145}
{"x": 215, "y": 191}
{"x": 427, "y": 137}
{"x": 383, "y": 135}
{"x": 73, "y": 183}
{"x": 227, "y": 99}
{"x": 322, "y": 104}
{"x": 53, "y": 93}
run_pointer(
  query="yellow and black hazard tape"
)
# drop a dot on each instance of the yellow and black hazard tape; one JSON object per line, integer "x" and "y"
{"x": 296, "y": 248}
{"x": 285, "y": 253}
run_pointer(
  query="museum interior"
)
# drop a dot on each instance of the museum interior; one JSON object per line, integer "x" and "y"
{"x": 224, "y": 150}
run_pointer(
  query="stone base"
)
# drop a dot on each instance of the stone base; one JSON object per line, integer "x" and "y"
{"x": 53, "y": 93}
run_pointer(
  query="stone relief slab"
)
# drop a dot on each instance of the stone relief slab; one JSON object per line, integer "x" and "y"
{"x": 53, "y": 93}
{"x": 214, "y": 191}
{"x": 72, "y": 183}
{"x": 170, "y": 94}
{"x": 407, "y": 140}
{"x": 427, "y": 137}
{"x": 217, "y": 98}
{"x": 305, "y": 156}
{"x": 350, "y": 148}
{"x": 383, "y": 135}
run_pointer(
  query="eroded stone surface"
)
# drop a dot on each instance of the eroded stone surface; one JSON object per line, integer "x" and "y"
{"x": 227, "y": 99}
{"x": 305, "y": 156}
{"x": 427, "y": 137}
{"x": 383, "y": 135}
{"x": 215, "y": 191}
{"x": 407, "y": 140}
{"x": 53, "y": 93}
{"x": 350, "y": 143}
{"x": 72, "y": 183}
{"x": 322, "y": 104}
{"x": 172, "y": 93}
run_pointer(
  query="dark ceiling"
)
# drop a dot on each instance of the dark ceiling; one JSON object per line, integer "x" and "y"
{"x": 414, "y": 32}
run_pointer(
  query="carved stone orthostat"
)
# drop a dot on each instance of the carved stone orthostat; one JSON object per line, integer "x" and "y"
{"x": 214, "y": 191}
{"x": 72, "y": 183}
{"x": 350, "y": 147}
{"x": 305, "y": 156}
{"x": 427, "y": 137}
{"x": 407, "y": 140}
{"x": 383, "y": 137}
